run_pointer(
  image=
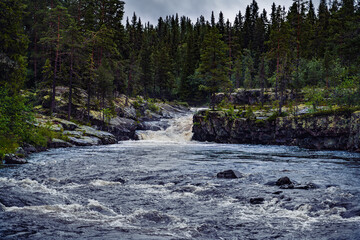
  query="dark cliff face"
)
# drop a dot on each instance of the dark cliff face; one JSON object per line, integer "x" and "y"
{"x": 332, "y": 132}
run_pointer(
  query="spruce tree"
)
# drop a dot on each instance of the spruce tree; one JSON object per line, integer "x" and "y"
{"x": 214, "y": 64}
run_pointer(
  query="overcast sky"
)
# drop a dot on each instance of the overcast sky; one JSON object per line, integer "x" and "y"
{"x": 151, "y": 10}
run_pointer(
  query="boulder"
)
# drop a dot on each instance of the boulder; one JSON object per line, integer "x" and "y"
{"x": 122, "y": 128}
{"x": 229, "y": 174}
{"x": 258, "y": 200}
{"x": 355, "y": 212}
{"x": 76, "y": 134}
{"x": 285, "y": 183}
{"x": 105, "y": 137}
{"x": 58, "y": 143}
{"x": 85, "y": 141}
{"x": 307, "y": 186}
{"x": 13, "y": 159}
{"x": 29, "y": 148}
{"x": 67, "y": 125}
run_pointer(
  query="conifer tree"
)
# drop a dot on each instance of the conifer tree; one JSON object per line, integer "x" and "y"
{"x": 13, "y": 45}
{"x": 214, "y": 64}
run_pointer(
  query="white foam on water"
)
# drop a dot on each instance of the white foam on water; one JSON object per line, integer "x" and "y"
{"x": 179, "y": 131}
{"x": 30, "y": 185}
{"x": 58, "y": 208}
{"x": 96, "y": 204}
{"x": 101, "y": 183}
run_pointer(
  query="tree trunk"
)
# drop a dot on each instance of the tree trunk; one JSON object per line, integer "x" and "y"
{"x": 35, "y": 58}
{"x": 55, "y": 68}
{"x": 128, "y": 88}
{"x": 277, "y": 71}
{"x": 88, "y": 102}
{"x": 70, "y": 82}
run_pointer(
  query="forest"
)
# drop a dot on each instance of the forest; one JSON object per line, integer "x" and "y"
{"x": 86, "y": 45}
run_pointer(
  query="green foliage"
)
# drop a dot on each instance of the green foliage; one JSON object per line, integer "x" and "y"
{"x": 214, "y": 63}
{"x": 136, "y": 104}
{"x": 347, "y": 93}
{"x": 13, "y": 45}
{"x": 109, "y": 113}
{"x": 343, "y": 111}
{"x": 314, "y": 97}
{"x": 276, "y": 115}
{"x": 42, "y": 136}
{"x": 249, "y": 114}
{"x": 153, "y": 107}
{"x": 231, "y": 113}
{"x": 15, "y": 121}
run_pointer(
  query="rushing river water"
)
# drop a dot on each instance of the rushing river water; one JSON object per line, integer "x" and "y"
{"x": 165, "y": 187}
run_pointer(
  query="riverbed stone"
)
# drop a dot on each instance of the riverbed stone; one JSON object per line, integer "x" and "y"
{"x": 258, "y": 200}
{"x": 14, "y": 159}
{"x": 283, "y": 181}
{"x": 306, "y": 186}
{"x": 229, "y": 174}
{"x": 105, "y": 137}
{"x": 85, "y": 141}
{"x": 28, "y": 148}
{"x": 58, "y": 143}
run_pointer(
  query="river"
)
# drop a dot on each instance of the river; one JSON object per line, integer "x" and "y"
{"x": 165, "y": 187}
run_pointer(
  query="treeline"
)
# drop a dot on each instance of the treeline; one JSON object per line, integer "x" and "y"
{"x": 84, "y": 44}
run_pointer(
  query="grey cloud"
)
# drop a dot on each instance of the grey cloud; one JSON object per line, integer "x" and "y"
{"x": 151, "y": 10}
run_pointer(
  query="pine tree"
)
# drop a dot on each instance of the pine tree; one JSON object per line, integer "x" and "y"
{"x": 214, "y": 64}
{"x": 13, "y": 45}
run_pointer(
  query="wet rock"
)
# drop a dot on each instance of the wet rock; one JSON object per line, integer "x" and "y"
{"x": 277, "y": 193}
{"x": 259, "y": 200}
{"x": 120, "y": 180}
{"x": 355, "y": 212}
{"x": 229, "y": 174}
{"x": 58, "y": 143}
{"x": 283, "y": 181}
{"x": 146, "y": 126}
{"x": 122, "y": 128}
{"x": 13, "y": 159}
{"x": 85, "y": 141}
{"x": 105, "y": 137}
{"x": 307, "y": 186}
{"x": 29, "y": 148}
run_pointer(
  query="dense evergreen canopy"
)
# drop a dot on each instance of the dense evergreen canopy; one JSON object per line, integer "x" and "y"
{"x": 83, "y": 44}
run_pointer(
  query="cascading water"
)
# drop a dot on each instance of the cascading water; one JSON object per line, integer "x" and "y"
{"x": 165, "y": 187}
{"x": 179, "y": 130}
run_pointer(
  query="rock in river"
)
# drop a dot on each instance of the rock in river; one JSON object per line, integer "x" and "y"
{"x": 13, "y": 159}
{"x": 259, "y": 200}
{"x": 229, "y": 174}
{"x": 284, "y": 181}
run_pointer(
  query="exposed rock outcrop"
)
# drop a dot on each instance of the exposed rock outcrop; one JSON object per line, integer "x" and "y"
{"x": 339, "y": 131}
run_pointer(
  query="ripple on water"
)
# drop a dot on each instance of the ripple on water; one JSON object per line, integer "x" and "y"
{"x": 168, "y": 190}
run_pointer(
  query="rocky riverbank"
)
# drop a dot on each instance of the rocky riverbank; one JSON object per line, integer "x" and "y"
{"x": 331, "y": 131}
{"x": 136, "y": 115}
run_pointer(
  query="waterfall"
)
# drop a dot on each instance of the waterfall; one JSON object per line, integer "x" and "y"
{"x": 179, "y": 130}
